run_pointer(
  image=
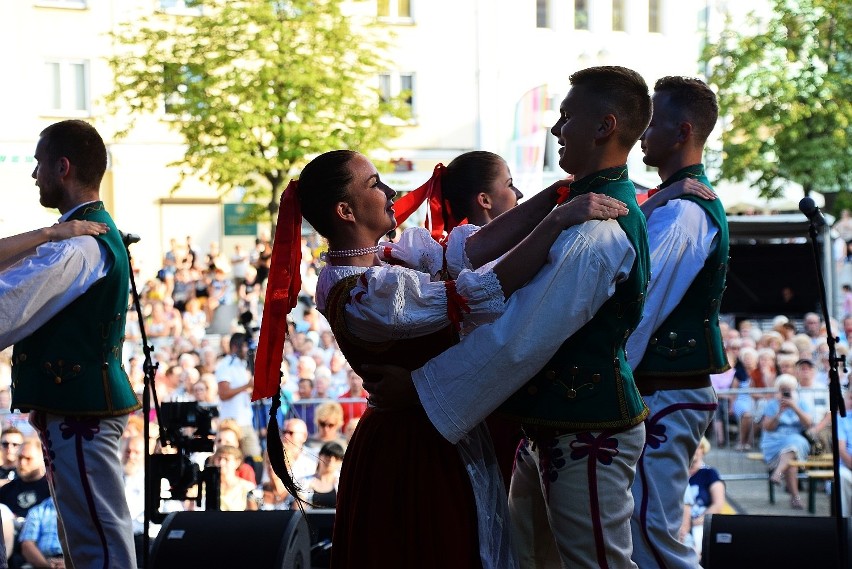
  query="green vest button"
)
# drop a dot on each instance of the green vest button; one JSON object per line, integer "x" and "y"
{"x": 532, "y": 389}
{"x": 571, "y": 393}
{"x": 596, "y": 377}
{"x": 691, "y": 343}
{"x": 76, "y": 368}
{"x": 653, "y": 341}
{"x": 672, "y": 336}
{"x": 22, "y": 358}
{"x": 550, "y": 374}
{"x": 57, "y": 380}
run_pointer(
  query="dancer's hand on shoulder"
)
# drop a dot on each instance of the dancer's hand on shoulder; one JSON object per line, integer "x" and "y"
{"x": 587, "y": 207}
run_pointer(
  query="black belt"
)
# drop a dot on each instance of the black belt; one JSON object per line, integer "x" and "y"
{"x": 650, "y": 385}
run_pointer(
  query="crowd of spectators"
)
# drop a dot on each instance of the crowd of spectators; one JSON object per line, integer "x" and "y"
{"x": 775, "y": 396}
{"x": 201, "y": 315}
{"x": 202, "y": 312}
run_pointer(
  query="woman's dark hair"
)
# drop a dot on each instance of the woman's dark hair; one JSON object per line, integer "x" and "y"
{"x": 332, "y": 449}
{"x": 322, "y": 184}
{"x": 466, "y": 176}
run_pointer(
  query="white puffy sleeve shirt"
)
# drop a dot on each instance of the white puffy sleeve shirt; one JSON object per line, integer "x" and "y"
{"x": 681, "y": 236}
{"x": 393, "y": 301}
{"x": 41, "y": 284}
{"x": 464, "y": 384}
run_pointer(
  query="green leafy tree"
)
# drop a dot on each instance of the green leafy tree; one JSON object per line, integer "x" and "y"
{"x": 255, "y": 88}
{"x": 785, "y": 92}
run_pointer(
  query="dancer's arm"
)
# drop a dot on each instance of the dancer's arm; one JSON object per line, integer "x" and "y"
{"x": 17, "y": 244}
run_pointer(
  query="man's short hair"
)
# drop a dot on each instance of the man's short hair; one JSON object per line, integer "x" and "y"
{"x": 694, "y": 100}
{"x": 621, "y": 92}
{"x": 80, "y": 143}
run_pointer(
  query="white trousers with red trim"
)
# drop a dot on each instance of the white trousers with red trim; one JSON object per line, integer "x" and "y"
{"x": 570, "y": 499}
{"x": 84, "y": 470}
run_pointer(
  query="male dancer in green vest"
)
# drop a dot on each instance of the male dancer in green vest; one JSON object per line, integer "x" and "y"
{"x": 678, "y": 343}
{"x": 63, "y": 307}
{"x": 556, "y": 356}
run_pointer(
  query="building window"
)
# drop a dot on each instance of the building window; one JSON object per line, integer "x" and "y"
{"x": 581, "y": 14}
{"x": 181, "y": 6}
{"x": 542, "y": 13}
{"x": 618, "y": 16}
{"x": 67, "y": 87}
{"x": 75, "y": 4}
{"x": 397, "y": 84}
{"x": 654, "y": 16}
{"x": 394, "y": 9}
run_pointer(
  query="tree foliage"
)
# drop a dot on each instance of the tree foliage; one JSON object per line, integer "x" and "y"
{"x": 255, "y": 87}
{"x": 785, "y": 92}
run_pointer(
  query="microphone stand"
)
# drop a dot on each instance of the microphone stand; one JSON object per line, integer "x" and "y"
{"x": 836, "y": 405}
{"x": 150, "y": 370}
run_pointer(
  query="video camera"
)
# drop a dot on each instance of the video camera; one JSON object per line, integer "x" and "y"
{"x": 187, "y": 427}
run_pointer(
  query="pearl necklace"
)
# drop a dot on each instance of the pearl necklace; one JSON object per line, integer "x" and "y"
{"x": 338, "y": 253}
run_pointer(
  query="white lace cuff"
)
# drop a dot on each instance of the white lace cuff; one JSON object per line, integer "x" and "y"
{"x": 457, "y": 259}
{"x": 484, "y": 295}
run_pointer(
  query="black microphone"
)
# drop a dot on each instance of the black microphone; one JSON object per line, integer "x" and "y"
{"x": 131, "y": 238}
{"x": 812, "y": 212}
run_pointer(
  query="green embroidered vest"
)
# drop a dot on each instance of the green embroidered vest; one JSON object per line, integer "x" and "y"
{"x": 587, "y": 384}
{"x": 72, "y": 364}
{"x": 689, "y": 341}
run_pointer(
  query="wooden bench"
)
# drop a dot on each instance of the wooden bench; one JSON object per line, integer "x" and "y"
{"x": 815, "y": 464}
{"x": 815, "y": 476}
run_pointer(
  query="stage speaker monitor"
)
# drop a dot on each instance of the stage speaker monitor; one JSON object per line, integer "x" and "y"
{"x": 735, "y": 541}
{"x": 260, "y": 540}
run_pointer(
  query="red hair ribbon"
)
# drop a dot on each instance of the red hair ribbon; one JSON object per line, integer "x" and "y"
{"x": 440, "y": 220}
{"x": 456, "y": 305}
{"x": 282, "y": 291}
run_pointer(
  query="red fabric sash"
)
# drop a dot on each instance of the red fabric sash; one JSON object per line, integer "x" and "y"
{"x": 439, "y": 220}
{"x": 282, "y": 291}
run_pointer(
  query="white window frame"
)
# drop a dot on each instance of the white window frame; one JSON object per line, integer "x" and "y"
{"x": 394, "y": 83}
{"x": 393, "y": 12}
{"x": 180, "y": 7}
{"x": 67, "y": 87}
{"x": 68, "y": 4}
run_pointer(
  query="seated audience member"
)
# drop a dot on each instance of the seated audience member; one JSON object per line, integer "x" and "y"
{"x": 30, "y": 486}
{"x": 354, "y": 409}
{"x": 39, "y": 537}
{"x": 844, "y": 444}
{"x": 294, "y": 435}
{"x": 133, "y": 467}
{"x": 319, "y": 489}
{"x": 329, "y": 420}
{"x": 784, "y": 418}
{"x": 10, "y": 443}
{"x": 707, "y": 493}
{"x": 305, "y": 411}
{"x": 349, "y": 428}
{"x": 229, "y": 435}
{"x": 235, "y": 492}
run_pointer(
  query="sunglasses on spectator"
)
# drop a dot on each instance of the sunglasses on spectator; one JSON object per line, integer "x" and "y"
{"x": 326, "y": 424}
{"x": 5, "y": 444}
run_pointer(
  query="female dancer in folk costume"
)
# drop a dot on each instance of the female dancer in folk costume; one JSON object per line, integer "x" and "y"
{"x": 389, "y": 303}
